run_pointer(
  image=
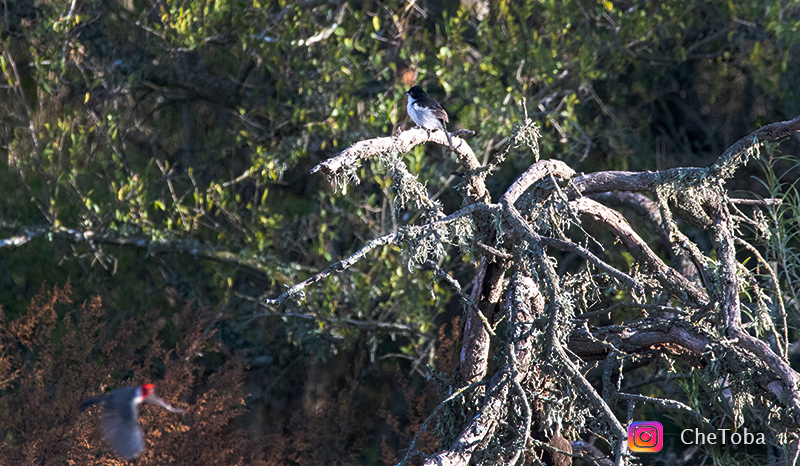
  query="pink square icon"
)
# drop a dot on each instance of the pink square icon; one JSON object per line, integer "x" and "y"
{"x": 645, "y": 437}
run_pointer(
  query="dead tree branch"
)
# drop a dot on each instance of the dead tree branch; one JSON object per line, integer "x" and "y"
{"x": 697, "y": 319}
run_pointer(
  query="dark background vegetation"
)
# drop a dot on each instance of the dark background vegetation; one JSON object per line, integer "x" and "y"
{"x": 155, "y": 160}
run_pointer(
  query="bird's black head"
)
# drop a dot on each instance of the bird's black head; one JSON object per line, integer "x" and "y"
{"x": 416, "y": 93}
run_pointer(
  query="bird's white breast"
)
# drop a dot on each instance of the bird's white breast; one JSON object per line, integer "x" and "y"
{"x": 421, "y": 116}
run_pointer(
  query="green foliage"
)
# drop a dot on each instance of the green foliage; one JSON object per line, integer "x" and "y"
{"x": 779, "y": 233}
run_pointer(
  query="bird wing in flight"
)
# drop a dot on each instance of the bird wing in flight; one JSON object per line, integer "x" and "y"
{"x": 122, "y": 431}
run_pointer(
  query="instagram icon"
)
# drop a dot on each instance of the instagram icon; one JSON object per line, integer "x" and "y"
{"x": 645, "y": 437}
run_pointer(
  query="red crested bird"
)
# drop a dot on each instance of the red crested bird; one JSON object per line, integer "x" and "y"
{"x": 427, "y": 112}
{"x": 120, "y": 418}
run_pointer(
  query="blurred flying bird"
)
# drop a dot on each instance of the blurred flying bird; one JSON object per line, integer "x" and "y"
{"x": 120, "y": 419}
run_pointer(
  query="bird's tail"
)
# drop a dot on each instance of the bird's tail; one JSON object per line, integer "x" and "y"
{"x": 449, "y": 141}
{"x": 89, "y": 402}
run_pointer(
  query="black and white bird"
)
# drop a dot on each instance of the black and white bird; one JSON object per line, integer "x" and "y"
{"x": 427, "y": 112}
{"x": 120, "y": 418}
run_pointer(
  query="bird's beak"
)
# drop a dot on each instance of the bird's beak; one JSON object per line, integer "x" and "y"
{"x": 155, "y": 400}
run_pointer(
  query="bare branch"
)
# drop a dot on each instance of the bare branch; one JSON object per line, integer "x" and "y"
{"x": 759, "y": 202}
{"x": 534, "y": 173}
{"x": 456, "y": 394}
{"x": 776, "y": 291}
{"x": 636, "y": 337}
{"x": 360, "y": 324}
{"x": 325, "y": 33}
{"x": 494, "y": 251}
{"x": 563, "y": 245}
{"x": 346, "y": 161}
{"x": 523, "y": 305}
{"x": 554, "y": 347}
{"x": 722, "y": 169}
{"x": 665, "y": 404}
{"x": 152, "y": 245}
{"x": 787, "y": 391}
{"x": 297, "y": 290}
{"x": 467, "y": 300}
{"x": 460, "y": 452}
{"x": 593, "y": 453}
{"x": 649, "y": 307}
{"x": 400, "y": 142}
{"x": 600, "y": 182}
{"x": 739, "y": 153}
{"x": 620, "y": 227}
{"x": 486, "y": 292}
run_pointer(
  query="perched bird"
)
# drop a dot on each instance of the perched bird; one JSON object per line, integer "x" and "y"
{"x": 120, "y": 418}
{"x": 427, "y": 112}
